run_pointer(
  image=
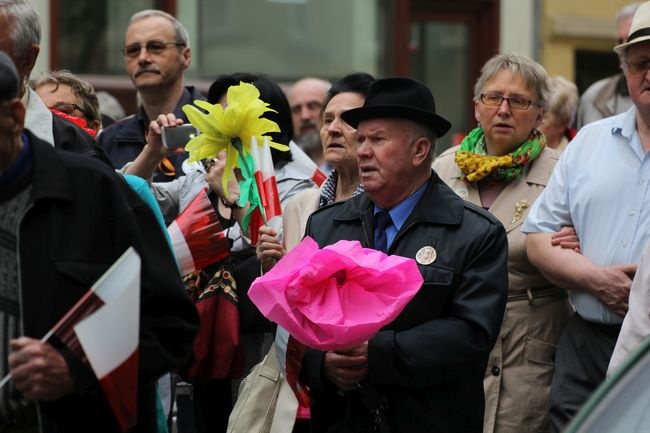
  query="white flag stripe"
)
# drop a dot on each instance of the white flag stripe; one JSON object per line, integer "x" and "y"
{"x": 110, "y": 335}
{"x": 182, "y": 251}
{"x": 111, "y": 282}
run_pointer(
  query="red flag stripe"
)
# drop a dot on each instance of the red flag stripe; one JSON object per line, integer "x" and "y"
{"x": 64, "y": 328}
{"x": 318, "y": 177}
{"x": 199, "y": 226}
{"x": 121, "y": 389}
{"x": 273, "y": 207}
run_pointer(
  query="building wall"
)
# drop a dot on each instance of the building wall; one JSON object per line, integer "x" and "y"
{"x": 567, "y": 26}
{"x": 518, "y": 27}
{"x": 43, "y": 60}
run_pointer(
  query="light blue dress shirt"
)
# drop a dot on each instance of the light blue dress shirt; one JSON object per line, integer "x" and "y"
{"x": 399, "y": 213}
{"x": 599, "y": 186}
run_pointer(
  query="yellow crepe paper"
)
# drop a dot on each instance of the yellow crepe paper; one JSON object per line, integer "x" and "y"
{"x": 220, "y": 126}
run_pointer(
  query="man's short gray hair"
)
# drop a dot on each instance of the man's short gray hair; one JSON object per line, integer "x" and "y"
{"x": 182, "y": 37}
{"x": 26, "y": 26}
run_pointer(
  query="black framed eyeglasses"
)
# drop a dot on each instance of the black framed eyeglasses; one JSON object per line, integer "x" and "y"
{"x": 514, "y": 102}
{"x": 152, "y": 47}
{"x": 68, "y": 108}
{"x": 638, "y": 66}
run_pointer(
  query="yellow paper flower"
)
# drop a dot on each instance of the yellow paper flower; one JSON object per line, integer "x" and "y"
{"x": 219, "y": 126}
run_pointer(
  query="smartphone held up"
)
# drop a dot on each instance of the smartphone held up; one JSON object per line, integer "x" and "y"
{"x": 173, "y": 138}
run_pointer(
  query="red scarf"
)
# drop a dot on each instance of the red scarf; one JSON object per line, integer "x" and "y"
{"x": 82, "y": 123}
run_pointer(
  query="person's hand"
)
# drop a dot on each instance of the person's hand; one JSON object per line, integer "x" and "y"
{"x": 214, "y": 172}
{"x": 269, "y": 248}
{"x": 612, "y": 286}
{"x": 566, "y": 238}
{"x": 346, "y": 368}
{"x": 154, "y": 140}
{"x": 38, "y": 370}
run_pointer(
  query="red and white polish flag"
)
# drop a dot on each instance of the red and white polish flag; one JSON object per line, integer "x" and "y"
{"x": 267, "y": 187}
{"x": 103, "y": 328}
{"x": 306, "y": 165}
{"x": 197, "y": 237}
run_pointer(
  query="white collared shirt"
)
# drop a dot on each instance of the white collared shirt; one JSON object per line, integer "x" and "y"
{"x": 38, "y": 119}
{"x": 599, "y": 186}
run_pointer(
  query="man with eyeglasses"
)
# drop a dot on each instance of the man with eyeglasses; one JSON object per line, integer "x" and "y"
{"x": 156, "y": 55}
{"x": 599, "y": 186}
{"x": 20, "y": 34}
{"x": 608, "y": 96}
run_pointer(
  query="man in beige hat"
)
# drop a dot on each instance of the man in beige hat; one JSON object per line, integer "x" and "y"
{"x": 600, "y": 187}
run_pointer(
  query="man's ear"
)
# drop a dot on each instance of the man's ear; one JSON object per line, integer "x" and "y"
{"x": 421, "y": 149}
{"x": 17, "y": 112}
{"x": 28, "y": 61}
{"x": 186, "y": 56}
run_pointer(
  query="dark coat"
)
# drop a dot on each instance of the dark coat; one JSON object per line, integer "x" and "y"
{"x": 429, "y": 362}
{"x": 123, "y": 140}
{"x": 82, "y": 217}
{"x": 68, "y": 136}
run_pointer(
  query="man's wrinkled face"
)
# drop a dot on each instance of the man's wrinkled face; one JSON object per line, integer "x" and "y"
{"x": 636, "y": 65}
{"x": 153, "y": 57}
{"x": 306, "y": 101}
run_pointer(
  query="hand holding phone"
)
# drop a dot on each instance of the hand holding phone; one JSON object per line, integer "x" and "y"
{"x": 178, "y": 136}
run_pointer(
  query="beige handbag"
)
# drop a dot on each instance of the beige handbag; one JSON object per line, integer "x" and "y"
{"x": 265, "y": 402}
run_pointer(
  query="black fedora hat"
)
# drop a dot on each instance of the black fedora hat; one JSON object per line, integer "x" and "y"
{"x": 400, "y": 97}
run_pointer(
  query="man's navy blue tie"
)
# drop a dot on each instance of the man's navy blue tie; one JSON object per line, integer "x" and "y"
{"x": 382, "y": 221}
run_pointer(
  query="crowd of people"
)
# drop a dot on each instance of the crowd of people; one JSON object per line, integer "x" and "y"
{"x": 531, "y": 237}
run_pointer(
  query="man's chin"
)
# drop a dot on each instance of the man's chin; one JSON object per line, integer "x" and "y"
{"x": 147, "y": 81}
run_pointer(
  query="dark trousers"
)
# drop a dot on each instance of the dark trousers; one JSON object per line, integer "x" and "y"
{"x": 581, "y": 361}
{"x": 212, "y": 406}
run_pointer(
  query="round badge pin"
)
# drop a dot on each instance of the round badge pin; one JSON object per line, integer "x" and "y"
{"x": 426, "y": 255}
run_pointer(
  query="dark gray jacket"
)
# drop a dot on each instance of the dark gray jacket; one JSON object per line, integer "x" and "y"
{"x": 429, "y": 363}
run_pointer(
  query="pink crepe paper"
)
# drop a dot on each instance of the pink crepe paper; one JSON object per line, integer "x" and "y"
{"x": 336, "y": 297}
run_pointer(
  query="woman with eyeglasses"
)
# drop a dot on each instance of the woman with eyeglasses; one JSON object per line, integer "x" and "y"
{"x": 69, "y": 97}
{"x": 503, "y": 165}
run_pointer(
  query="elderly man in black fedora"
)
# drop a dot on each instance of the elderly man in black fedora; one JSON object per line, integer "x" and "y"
{"x": 424, "y": 371}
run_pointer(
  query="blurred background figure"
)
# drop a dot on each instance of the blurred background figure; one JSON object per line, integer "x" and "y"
{"x": 608, "y": 96}
{"x": 558, "y": 118}
{"x": 503, "y": 166}
{"x": 110, "y": 108}
{"x": 306, "y": 101}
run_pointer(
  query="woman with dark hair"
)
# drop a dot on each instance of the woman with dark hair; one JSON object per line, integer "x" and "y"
{"x": 339, "y": 149}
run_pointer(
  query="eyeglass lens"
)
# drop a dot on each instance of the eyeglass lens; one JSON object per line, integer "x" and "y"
{"x": 152, "y": 47}
{"x": 638, "y": 67}
{"x": 513, "y": 102}
{"x": 67, "y": 108}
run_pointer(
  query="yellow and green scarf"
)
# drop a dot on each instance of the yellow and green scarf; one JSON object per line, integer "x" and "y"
{"x": 476, "y": 164}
